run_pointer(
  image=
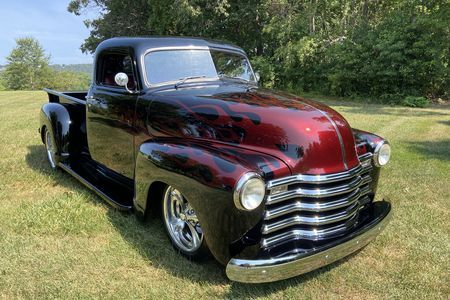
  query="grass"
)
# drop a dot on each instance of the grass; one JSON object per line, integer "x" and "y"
{"x": 59, "y": 240}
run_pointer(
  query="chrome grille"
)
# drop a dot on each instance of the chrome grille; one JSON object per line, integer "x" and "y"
{"x": 315, "y": 207}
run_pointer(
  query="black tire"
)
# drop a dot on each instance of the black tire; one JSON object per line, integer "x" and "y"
{"x": 182, "y": 226}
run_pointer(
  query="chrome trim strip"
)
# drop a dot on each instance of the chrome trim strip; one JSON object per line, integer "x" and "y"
{"x": 187, "y": 47}
{"x": 315, "y": 179}
{"x": 365, "y": 156}
{"x": 299, "y": 205}
{"x": 285, "y": 210}
{"x": 338, "y": 133}
{"x": 273, "y": 269}
{"x": 316, "y": 193}
{"x": 308, "y": 234}
{"x": 313, "y": 234}
{"x": 313, "y": 220}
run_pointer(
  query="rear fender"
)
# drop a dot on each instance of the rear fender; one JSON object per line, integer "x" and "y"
{"x": 56, "y": 118}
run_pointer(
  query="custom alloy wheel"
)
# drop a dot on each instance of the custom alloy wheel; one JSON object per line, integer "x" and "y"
{"x": 182, "y": 224}
{"x": 51, "y": 148}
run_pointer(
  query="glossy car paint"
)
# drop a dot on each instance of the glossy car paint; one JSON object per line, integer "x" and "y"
{"x": 201, "y": 138}
{"x": 110, "y": 118}
{"x": 310, "y": 138}
{"x": 207, "y": 174}
{"x": 56, "y": 118}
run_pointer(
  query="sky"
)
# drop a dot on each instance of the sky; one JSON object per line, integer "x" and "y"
{"x": 60, "y": 33}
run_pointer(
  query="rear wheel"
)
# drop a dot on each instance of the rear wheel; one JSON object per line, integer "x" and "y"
{"x": 50, "y": 148}
{"x": 182, "y": 225}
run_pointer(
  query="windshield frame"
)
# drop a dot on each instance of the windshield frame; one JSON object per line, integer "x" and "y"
{"x": 204, "y": 48}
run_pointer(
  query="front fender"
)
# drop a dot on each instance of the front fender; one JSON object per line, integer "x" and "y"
{"x": 365, "y": 141}
{"x": 56, "y": 117}
{"x": 206, "y": 175}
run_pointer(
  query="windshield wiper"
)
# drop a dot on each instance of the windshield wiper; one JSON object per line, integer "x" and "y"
{"x": 184, "y": 79}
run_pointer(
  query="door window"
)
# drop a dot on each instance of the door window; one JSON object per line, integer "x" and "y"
{"x": 112, "y": 63}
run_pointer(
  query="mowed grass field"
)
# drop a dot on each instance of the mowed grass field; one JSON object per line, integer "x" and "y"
{"x": 59, "y": 240}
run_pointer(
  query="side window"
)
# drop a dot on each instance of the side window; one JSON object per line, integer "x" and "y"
{"x": 110, "y": 64}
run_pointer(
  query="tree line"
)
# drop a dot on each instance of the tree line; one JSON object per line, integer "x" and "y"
{"x": 28, "y": 68}
{"x": 394, "y": 51}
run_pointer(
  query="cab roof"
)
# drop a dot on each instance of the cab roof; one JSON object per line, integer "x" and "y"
{"x": 143, "y": 44}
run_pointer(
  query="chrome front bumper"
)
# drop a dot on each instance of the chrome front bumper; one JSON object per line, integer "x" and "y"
{"x": 267, "y": 270}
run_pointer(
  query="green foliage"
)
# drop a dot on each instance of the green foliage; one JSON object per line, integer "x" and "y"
{"x": 2, "y": 81}
{"x": 27, "y": 67}
{"x": 384, "y": 50}
{"x": 77, "y": 68}
{"x": 405, "y": 54}
{"x": 68, "y": 80}
{"x": 415, "y": 101}
{"x": 266, "y": 69}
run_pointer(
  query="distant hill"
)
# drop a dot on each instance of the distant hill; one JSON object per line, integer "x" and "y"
{"x": 78, "y": 68}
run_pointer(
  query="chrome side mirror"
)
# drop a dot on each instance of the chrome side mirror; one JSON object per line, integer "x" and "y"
{"x": 121, "y": 79}
{"x": 257, "y": 77}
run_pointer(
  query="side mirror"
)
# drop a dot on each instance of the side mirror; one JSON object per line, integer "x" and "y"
{"x": 257, "y": 77}
{"x": 121, "y": 79}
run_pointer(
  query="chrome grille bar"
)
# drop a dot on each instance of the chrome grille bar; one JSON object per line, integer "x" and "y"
{"x": 318, "y": 179}
{"x": 314, "y": 220}
{"x": 299, "y": 205}
{"x": 317, "y": 192}
{"x": 315, "y": 234}
{"x": 315, "y": 207}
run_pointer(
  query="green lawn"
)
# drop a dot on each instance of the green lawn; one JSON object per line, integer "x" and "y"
{"x": 59, "y": 240}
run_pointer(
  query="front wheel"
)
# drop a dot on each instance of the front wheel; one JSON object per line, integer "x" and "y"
{"x": 182, "y": 225}
{"x": 50, "y": 148}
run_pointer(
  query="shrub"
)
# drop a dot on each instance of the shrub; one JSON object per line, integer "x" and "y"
{"x": 413, "y": 101}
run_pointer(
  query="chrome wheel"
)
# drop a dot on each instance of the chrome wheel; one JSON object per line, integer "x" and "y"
{"x": 181, "y": 221}
{"x": 50, "y": 148}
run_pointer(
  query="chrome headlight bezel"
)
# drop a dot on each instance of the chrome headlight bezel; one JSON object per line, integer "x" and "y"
{"x": 239, "y": 191}
{"x": 377, "y": 155}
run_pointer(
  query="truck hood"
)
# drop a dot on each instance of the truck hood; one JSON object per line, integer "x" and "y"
{"x": 310, "y": 137}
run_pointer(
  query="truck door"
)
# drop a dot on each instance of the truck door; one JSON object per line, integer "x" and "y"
{"x": 111, "y": 112}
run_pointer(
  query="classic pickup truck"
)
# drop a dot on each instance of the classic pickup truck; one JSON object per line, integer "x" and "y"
{"x": 271, "y": 184}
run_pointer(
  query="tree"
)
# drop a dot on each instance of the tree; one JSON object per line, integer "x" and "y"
{"x": 28, "y": 66}
{"x": 68, "y": 81}
{"x": 117, "y": 18}
{"x": 382, "y": 49}
{"x": 2, "y": 81}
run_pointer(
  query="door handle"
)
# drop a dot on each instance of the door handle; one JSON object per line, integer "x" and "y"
{"x": 89, "y": 100}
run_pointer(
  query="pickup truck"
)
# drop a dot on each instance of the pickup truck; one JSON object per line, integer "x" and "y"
{"x": 271, "y": 184}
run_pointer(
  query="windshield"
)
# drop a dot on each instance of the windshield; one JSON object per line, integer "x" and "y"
{"x": 175, "y": 65}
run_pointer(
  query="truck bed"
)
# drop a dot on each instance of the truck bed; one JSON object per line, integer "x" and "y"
{"x": 67, "y": 97}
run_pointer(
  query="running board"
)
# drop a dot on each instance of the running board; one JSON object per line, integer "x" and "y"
{"x": 91, "y": 186}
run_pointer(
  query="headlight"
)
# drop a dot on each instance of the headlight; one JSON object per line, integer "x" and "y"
{"x": 249, "y": 191}
{"x": 382, "y": 154}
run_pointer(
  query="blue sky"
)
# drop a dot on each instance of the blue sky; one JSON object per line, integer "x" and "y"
{"x": 59, "y": 32}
